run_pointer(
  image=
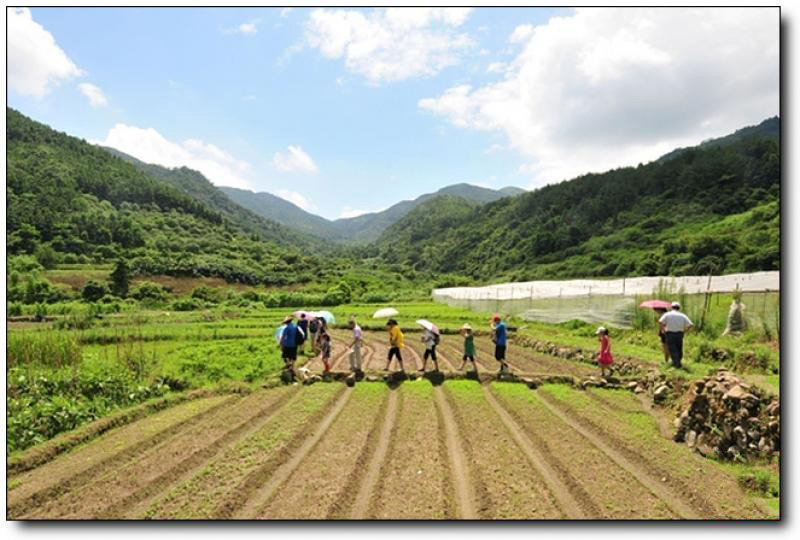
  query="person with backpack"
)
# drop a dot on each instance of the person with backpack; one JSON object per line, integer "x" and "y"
{"x": 431, "y": 340}
{"x": 499, "y": 338}
{"x": 302, "y": 324}
{"x": 313, "y": 328}
{"x": 395, "y": 344}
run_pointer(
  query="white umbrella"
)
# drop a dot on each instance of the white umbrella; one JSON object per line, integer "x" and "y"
{"x": 428, "y": 325}
{"x": 384, "y": 313}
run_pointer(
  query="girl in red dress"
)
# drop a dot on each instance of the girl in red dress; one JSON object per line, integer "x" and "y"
{"x": 604, "y": 357}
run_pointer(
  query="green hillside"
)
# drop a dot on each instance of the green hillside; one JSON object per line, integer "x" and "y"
{"x": 72, "y": 202}
{"x": 713, "y": 208}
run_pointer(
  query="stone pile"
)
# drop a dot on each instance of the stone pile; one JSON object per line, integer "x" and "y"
{"x": 621, "y": 367}
{"x": 726, "y": 417}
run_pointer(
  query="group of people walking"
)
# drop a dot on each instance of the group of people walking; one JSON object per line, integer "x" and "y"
{"x": 672, "y": 325}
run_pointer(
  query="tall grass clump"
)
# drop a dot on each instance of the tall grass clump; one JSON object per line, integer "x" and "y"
{"x": 53, "y": 349}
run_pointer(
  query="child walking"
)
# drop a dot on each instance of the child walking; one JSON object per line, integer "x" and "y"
{"x": 604, "y": 357}
{"x": 469, "y": 347}
{"x": 395, "y": 344}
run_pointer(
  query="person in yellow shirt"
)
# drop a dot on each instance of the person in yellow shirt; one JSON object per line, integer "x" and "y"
{"x": 395, "y": 344}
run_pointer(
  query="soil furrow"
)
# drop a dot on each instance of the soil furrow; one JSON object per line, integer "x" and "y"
{"x": 134, "y": 505}
{"x": 262, "y": 495}
{"x": 411, "y": 484}
{"x": 458, "y": 462}
{"x": 106, "y": 453}
{"x": 367, "y": 482}
{"x": 456, "y": 347}
{"x": 320, "y": 483}
{"x": 506, "y": 484}
{"x": 641, "y": 474}
{"x": 224, "y": 484}
{"x": 605, "y": 490}
{"x": 568, "y": 503}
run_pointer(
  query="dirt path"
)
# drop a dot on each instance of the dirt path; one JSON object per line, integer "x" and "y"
{"x": 569, "y": 505}
{"x": 458, "y": 462}
{"x": 260, "y": 497}
{"x": 641, "y": 474}
{"x": 35, "y": 488}
{"x": 370, "y": 477}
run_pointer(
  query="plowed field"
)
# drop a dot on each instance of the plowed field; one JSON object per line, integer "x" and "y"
{"x": 462, "y": 450}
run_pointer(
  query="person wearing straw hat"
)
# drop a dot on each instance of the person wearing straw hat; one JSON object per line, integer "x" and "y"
{"x": 469, "y": 347}
{"x": 675, "y": 324}
{"x": 395, "y": 344}
{"x": 289, "y": 344}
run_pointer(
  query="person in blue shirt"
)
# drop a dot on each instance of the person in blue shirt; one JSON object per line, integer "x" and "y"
{"x": 499, "y": 338}
{"x": 289, "y": 340}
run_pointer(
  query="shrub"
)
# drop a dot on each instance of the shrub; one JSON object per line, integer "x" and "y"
{"x": 147, "y": 291}
{"x": 207, "y": 294}
{"x": 94, "y": 290}
{"x": 187, "y": 304}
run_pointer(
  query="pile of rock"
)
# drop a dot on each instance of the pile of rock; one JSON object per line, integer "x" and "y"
{"x": 728, "y": 418}
{"x": 622, "y": 366}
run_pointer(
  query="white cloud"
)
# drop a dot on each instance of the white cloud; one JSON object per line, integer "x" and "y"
{"x": 611, "y": 87}
{"x": 36, "y": 63}
{"x": 521, "y": 33}
{"x": 496, "y": 67}
{"x": 246, "y": 29}
{"x": 391, "y": 44}
{"x": 295, "y": 160}
{"x": 150, "y": 146}
{"x": 95, "y": 95}
{"x": 296, "y": 199}
{"x": 348, "y": 212}
{"x": 249, "y": 97}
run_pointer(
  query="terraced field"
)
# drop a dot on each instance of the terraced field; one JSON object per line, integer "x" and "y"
{"x": 463, "y": 449}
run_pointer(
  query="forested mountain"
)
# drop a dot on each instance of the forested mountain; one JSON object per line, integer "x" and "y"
{"x": 712, "y": 208}
{"x": 82, "y": 204}
{"x": 770, "y": 128}
{"x": 361, "y": 229}
{"x": 280, "y": 210}
{"x": 193, "y": 183}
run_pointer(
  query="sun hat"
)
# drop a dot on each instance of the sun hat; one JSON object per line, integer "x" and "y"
{"x": 287, "y": 319}
{"x": 466, "y": 327}
{"x": 676, "y": 305}
{"x": 601, "y": 330}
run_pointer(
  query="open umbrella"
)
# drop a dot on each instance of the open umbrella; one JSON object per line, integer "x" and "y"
{"x": 428, "y": 325}
{"x": 385, "y": 313}
{"x": 279, "y": 333}
{"x": 655, "y": 304}
{"x": 308, "y": 314}
{"x": 327, "y": 315}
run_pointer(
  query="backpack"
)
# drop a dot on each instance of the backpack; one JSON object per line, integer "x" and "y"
{"x": 313, "y": 326}
{"x": 435, "y": 339}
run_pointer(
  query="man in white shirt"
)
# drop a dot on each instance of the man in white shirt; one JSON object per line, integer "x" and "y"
{"x": 355, "y": 347}
{"x": 675, "y": 324}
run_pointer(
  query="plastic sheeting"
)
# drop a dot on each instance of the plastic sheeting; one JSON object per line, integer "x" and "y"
{"x": 610, "y": 302}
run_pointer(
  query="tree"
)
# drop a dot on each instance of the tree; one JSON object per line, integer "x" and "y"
{"x": 94, "y": 290}
{"x": 120, "y": 279}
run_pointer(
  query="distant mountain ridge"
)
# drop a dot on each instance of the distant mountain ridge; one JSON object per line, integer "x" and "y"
{"x": 360, "y": 229}
{"x": 770, "y": 128}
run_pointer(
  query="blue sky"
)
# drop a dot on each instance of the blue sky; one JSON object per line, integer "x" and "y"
{"x": 350, "y": 110}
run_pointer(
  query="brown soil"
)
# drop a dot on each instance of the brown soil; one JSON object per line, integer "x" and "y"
{"x": 458, "y": 461}
{"x": 75, "y": 469}
{"x": 224, "y": 484}
{"x": 412, "y": 484}
{"x": 604, "y": 489}
{"x": 376, "y": 450}
{"x": 696, "y": 487}
{"x": 316, "y": 484}
{"x": 507, "y": 486}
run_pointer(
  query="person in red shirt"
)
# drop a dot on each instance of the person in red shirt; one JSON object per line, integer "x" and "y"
{"x": 604, "y": 357}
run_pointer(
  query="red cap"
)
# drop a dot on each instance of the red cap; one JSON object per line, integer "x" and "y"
{"x": 496, "y": 318}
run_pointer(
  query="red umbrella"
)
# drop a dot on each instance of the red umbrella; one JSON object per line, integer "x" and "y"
{"x": 655, "y": 304}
